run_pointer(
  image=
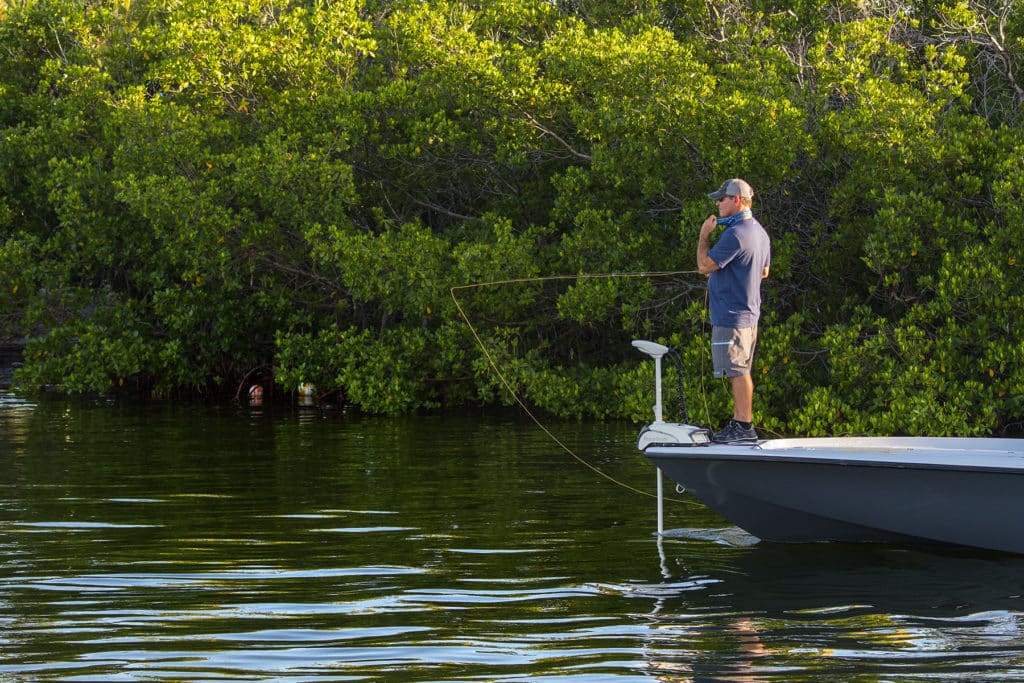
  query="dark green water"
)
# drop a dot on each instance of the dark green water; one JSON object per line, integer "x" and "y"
{"x": 169, "y": 543}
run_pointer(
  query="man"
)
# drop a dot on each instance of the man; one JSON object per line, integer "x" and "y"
{"x": 735, "y": 267}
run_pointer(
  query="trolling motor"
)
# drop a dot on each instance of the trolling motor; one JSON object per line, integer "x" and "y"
{"x": 659, "y": 432}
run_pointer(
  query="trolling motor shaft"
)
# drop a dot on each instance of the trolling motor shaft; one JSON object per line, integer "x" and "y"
{"x": 655, "y": 351}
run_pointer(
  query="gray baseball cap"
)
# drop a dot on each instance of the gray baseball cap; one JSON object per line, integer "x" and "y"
{"x": 734, "y": 187}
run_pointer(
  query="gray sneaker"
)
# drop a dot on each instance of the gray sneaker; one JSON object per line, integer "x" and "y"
{"x": 734, "y": 432}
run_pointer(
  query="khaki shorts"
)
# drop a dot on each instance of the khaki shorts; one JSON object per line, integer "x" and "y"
{"x": 732, "y": 350}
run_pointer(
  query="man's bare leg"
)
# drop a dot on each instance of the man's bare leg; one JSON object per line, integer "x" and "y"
{"x": 743, "y": 398}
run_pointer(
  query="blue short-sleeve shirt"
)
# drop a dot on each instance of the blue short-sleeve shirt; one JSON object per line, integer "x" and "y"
{"x": 734, "y": 290}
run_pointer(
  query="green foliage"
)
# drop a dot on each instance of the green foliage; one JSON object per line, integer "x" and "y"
{"x": 377, "y": 373}
{"x": 192, "y": 192}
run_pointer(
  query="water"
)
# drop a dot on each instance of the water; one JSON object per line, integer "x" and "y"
{"x": 169, "y": 542}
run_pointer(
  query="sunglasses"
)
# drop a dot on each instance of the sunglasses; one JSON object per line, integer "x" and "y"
{"x": 722, "y": 199}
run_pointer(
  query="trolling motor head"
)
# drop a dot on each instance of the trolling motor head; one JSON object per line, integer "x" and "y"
{"x": 659, "y": 432}
{"x": 652, "y": 349}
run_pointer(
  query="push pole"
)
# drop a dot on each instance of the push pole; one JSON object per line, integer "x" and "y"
{"x": 656, "y": 351}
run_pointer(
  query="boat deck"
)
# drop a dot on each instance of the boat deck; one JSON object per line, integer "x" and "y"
{"x": 920, "y": 452}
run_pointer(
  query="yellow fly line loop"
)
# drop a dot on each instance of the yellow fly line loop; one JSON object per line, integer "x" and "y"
{"x": 508, "y": 387}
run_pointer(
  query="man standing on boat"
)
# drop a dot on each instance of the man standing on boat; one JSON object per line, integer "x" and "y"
{"x": 735, "y": 266}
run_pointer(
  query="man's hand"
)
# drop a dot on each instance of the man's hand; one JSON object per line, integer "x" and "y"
{"x": 709, "y": 224}
{"x": 705, "y": 265}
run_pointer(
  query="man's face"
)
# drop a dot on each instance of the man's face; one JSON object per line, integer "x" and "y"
{"x": 728, "y": 205}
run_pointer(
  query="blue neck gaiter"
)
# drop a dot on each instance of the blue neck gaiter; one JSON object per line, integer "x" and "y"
{"x": 732, "y": 220}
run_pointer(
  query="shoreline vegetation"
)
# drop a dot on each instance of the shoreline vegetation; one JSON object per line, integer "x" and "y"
{"x": 197, "y": 196}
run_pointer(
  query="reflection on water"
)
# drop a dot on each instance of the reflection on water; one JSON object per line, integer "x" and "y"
{"x": 168, "y": 542}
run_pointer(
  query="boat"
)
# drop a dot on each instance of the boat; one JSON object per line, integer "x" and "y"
{"x": 948, "y": 491}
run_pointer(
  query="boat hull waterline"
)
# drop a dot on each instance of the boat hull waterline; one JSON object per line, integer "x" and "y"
{"x": 939, "y": 490}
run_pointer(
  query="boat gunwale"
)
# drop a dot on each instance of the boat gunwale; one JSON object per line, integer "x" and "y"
{"x": 987, "y": 460}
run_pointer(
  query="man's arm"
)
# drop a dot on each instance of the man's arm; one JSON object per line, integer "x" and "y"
{"x": 705, "y": 264}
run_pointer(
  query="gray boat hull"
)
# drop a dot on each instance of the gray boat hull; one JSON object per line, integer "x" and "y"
{"x": 967, "y": 492}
